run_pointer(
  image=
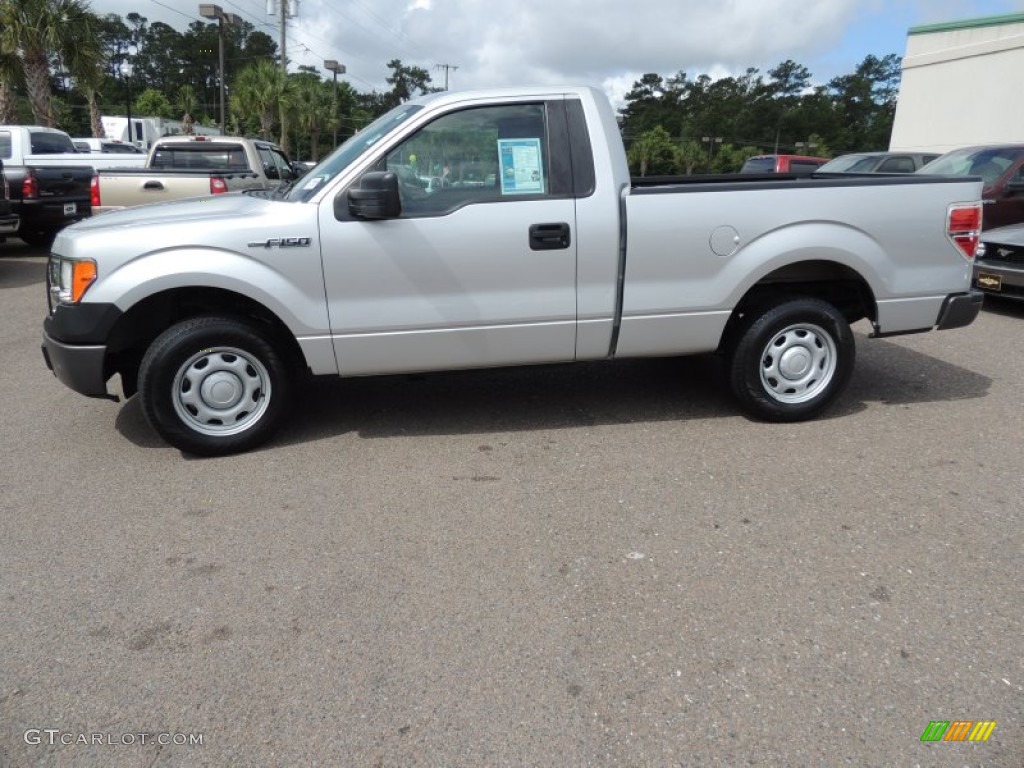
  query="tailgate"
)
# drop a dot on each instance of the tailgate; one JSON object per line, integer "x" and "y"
{"x": 123, "y": 190}
{"x": 64, "y": 182}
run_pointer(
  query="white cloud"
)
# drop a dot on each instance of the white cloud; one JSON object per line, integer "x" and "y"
{"x": 608, "y": 42}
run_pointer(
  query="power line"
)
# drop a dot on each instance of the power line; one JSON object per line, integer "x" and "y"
{"x": 180, "y": 13}
{"x": 274, "y": 27}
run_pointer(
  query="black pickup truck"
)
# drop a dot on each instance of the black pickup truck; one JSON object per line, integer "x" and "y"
{"x": 49, "y": 180}
{"x": 8, "y": 220}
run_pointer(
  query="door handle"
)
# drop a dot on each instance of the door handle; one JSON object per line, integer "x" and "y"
{"x": 550, "y": 237}
{"x": 152, "y": 185}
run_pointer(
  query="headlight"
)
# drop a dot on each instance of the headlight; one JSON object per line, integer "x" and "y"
{"x": 69, "y": 279}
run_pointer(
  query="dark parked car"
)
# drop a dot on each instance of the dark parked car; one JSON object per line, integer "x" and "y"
{"x": 879, "y": 162}
{"x": 999, "y": 263}
{"x": 1001, "y": 166}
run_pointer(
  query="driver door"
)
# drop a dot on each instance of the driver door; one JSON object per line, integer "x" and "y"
{"x": 479, "y": 269}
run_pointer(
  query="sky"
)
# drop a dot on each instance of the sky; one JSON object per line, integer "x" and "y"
{"x": 607, "y": 43}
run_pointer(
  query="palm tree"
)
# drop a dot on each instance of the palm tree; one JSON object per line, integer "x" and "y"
{"x": 37, "y": 29}
{"x": 259, "y": 90}
{"x": 314, "y": 108}
{"x": 187, "y": 102}
{"x": 9, "y": 70}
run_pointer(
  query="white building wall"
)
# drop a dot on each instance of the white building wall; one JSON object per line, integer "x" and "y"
{"x": 962, "y": 84}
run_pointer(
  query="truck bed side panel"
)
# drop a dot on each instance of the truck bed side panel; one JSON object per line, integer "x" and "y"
{"x": 695, "y": 250}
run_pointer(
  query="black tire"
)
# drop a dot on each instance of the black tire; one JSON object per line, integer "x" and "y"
{"x": 791, "y": 360}
{"x": 214, "y": 385}
{"x": 38, "y": 238}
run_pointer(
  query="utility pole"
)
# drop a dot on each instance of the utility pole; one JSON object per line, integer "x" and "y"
{"x": 331, "y": 65}
{"x": 286, "y": 9}
{"x": 446, "y": 67}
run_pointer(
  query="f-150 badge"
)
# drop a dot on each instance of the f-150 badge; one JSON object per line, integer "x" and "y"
{"x": 283, "y": 242}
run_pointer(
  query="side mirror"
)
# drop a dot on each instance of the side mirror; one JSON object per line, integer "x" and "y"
{"x": 298, "y": 169}
{"x": 1015, "y": 187}
{"x": 376, "y": 197}
{"x": 271, "y": 172}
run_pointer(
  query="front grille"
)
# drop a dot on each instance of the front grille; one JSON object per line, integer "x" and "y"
{"x": 1003, "y": 254}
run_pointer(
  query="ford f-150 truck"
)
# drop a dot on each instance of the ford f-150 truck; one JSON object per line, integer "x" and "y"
{"x": 180, "y": 167}
{"x": 498, "y": 228}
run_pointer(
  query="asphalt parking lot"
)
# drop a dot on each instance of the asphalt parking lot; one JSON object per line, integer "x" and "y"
{"x": 593, "y": 565}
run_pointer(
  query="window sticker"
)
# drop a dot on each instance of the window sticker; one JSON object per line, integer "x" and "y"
{"x": 314, "y": 182}
{"x": 522, "y": 172}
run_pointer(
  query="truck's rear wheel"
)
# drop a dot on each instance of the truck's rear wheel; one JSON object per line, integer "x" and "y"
{"x": 792, "y": 360}
{"x": 213, "y": 386}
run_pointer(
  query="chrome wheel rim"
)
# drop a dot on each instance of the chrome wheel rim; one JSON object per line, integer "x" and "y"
{"x": 798, "y": 364}
{"x": 221, "y": 391}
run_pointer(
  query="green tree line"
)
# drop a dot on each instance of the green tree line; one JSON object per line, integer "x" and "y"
{"x": 62, "y": 65}
{"x": 679, "y": 124}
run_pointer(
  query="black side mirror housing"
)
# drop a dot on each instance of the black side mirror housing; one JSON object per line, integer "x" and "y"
{"x": 1015, "y": 187}
{"x": 376, "y": 197}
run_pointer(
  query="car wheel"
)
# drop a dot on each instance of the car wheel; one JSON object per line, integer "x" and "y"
{"x": 213, "y": 386}
{"x": 37, "y": 238}
{"x": 792, "y": 360}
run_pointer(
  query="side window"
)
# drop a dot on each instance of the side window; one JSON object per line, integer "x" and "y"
{"x": 5, "y": 144}
{"x": 484, "y": 154}
{"x": 284, "y": 169}
{"x": 897, "y": 165}
{"x": 267, "y": 160}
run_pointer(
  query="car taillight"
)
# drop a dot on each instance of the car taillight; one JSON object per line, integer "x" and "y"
{"x": 963, "y": 227}
{"x": 29, "y": 187}
{"x": 217, "y": 185}
{"x": 94, "y": 192}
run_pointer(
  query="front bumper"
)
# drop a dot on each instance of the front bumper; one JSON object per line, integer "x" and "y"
{"x": 75, "y": 340}
{"x": 999, "y": 278}
{"x": 77, "y": 366}
{"x": 9, "y": 224}
{"x": 959, "y": 310}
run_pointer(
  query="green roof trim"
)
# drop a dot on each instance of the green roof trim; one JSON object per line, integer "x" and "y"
{"x": 952, "y": 26}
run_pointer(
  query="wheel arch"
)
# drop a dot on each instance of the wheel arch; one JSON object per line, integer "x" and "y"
{"x": 139, "y": 326}
{"x": 837, "y": 284}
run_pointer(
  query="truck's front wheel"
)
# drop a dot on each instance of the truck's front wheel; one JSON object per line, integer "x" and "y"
{"x": 792, "y": 360}
{"x": 213, "y": 386}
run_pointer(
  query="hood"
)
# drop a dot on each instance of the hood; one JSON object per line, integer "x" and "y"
{"x": 231, "y": 222}
{"x": 196, "y": 210}
{"x": 1009, "y": 235}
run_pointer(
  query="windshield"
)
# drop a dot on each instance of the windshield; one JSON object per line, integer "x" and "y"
{"x": 988, "y": 162}
{"x": 760, "y": 164}
{"x": 354, "y": 147}
{"x": 849, "y": 164}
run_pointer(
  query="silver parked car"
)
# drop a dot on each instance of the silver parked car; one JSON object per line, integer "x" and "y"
{"x": 878, "y": 162}
{"x": 999, "y": 264}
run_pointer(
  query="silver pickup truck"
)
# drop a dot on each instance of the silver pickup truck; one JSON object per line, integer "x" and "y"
{"x": 498, "y": 228}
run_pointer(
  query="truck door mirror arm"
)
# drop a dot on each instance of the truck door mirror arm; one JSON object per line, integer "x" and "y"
{"x": 375, "y": 197}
